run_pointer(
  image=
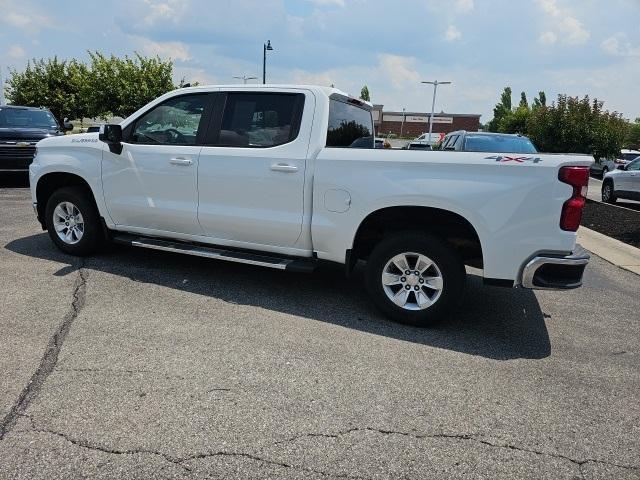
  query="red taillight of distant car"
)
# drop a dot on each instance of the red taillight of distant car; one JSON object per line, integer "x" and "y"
{"x": 578, "y": 178}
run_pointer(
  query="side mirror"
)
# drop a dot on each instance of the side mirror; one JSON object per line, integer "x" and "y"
{"x": 112, "y": 136}
{"x": 67, "y": 125}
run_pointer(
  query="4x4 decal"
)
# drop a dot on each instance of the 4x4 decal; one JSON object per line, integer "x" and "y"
{"x": 503, "y": 159}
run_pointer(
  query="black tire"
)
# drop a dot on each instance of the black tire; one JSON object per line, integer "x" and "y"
{"x": 92, "y": 237}
{"x": 443, "y": 255}
{"x": 608, "y": 192}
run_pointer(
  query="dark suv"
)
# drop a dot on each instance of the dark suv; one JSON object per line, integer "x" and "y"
{"x": 463, "y": 141}
{"x": 20, "y": 129}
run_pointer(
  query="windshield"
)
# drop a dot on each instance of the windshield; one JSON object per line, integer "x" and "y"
{"x": 24, "y": 118}
{"x": 498, "y": 144}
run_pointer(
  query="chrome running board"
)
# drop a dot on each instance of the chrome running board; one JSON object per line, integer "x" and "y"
{"x": 305, "y": 265}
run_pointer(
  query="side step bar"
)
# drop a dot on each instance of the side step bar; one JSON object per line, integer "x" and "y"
{"x": 304, "y": 265}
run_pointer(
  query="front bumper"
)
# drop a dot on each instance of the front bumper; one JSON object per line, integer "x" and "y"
{"x": 548, "y": 272}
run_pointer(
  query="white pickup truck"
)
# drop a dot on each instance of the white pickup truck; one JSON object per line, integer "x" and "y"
{"x": 268, "y": 175}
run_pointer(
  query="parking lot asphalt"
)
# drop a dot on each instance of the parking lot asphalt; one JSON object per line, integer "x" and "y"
{"x": 140, "y": 364}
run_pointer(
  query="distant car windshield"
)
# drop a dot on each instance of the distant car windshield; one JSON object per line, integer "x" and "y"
{"x": 24, "y": 118}
{"x": 498, "y": 144}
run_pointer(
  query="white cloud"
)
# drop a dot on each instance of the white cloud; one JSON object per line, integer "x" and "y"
{"x": 452, "y": 34}
{"x": 329, "y": 3}
{"x": 172, "y": 50}
{"x": 548, "y": 38}
{"x": 16, "y": 52}
{"x": 23, "y": 18}
{"x": 566, "y": 27}
{"x": 400, "y": 70}
{"x": 464, "y": 6}
{"x": 619, "y": 46}
{"x": 168, "y": 10}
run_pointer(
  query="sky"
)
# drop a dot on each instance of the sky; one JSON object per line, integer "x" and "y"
{"x": 577, "y": 47}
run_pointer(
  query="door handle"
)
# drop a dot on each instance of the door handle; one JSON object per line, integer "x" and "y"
{"x": 284, "y": 167}
{"x": 180, "y": 161}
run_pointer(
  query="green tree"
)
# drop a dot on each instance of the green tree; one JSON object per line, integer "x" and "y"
{"x": 523, "y": 101}
{"x": 574, "y": 125}
{"x": 123, "y": 85}
{"x": 364, "y": 94}
{"x": 516, "y": 121}
{"x": 501, "y": 110}
{"x": 632, "y": 139}
{"x": 107, "y": 86}
{"x": 540, "y": 100}
{"x": 56, "y": 84}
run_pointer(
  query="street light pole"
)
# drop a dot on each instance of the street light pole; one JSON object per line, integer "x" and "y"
{"x": 402, "y": 124}
{"x": 433, "y": 103}
{"x": 244, "y": 78}
{"x": 1, "y": 87}
{"x": 265, "y": 47}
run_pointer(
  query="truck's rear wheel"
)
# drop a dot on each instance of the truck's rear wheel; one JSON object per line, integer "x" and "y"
{"x": 415, "y": 278}
{"x": 73, "y": 221}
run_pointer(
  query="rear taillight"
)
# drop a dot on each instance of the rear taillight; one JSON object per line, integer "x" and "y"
{"x": 578, "y": 178}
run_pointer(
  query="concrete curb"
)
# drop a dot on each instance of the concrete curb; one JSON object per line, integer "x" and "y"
{"x": 612, "y": 250}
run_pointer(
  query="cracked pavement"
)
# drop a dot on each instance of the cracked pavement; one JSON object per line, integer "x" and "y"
{"x": 140, "y": 364}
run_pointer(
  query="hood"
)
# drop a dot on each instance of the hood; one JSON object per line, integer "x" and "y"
{"x": 34, "y": 134}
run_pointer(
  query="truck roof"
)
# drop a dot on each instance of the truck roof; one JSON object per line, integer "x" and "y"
{"x": 327, "y": 91}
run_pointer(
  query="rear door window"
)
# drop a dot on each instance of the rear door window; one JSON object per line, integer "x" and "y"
{"x": 350, "y": 126}
{"x": 260, "y": 119}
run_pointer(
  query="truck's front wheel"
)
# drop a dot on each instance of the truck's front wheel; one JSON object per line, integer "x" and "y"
{"x": 415, "y": 278}
{"x": 73, "y": 221}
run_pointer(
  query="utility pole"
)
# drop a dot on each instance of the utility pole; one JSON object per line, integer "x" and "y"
{"x": 402, "y": 124}
{"x": 265, "y": 47}
{"x": 433, "y": 103}
{"x": 244, "y": 78}
{"x": 2, "y": 101}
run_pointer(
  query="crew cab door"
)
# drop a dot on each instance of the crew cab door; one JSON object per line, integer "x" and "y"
{"x": 152, "y": 183}
{"x": 251, "y": 174}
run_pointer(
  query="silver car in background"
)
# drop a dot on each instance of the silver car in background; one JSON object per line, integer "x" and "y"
{"x": 622, "y": 183}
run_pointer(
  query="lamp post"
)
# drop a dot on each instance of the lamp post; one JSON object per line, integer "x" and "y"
{"x": 265, "y": 47}
{"x": 435, "y": 84}
{"x": 402, "y": 124}
{"x": 244, "y": 78}
{"x": 1, "y": 87}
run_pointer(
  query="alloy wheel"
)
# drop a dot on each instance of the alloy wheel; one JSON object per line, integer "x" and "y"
{"x": 412, "y": 281}
{"x": 68, "y": 223}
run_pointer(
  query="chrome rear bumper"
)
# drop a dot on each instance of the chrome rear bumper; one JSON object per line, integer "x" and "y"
{"x": 555, "y": 273}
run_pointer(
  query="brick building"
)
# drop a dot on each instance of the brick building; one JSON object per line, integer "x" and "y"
{"x": 412, "y": 124}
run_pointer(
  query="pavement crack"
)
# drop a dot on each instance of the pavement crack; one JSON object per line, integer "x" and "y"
{"x": 50, "y": 357}
{"x": 464, "y": 437}
{"x": 180, "y": 461}
{"x": 257, "y": 458}
{"x": 112, "y": 451}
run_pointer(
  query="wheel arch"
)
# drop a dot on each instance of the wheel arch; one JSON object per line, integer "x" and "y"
{"x": 50, "y": 182}
{"x": 451, "y": 226}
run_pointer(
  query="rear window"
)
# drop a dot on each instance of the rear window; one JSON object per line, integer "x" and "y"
{"x": 349, "y": 126}
{"x": 24, "y": 118}
{"x": 498, "y": 144}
